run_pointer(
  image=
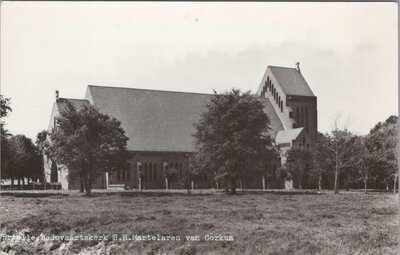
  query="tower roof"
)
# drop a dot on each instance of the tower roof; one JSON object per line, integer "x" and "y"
{"x": 291, "y": 81}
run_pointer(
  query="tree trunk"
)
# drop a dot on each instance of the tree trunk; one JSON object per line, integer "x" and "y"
{"x": 319, "y": 182}
{"x": 12, "y": 183}
{"x": 365, "y": 186}
{"x": 336, "y": 187}
{"x": 87, "y": 186}
{"x": 263, "y": 182}
{"x": 81, "y": 188}
{"x": 366, "y": 181}
{"x": 233, "y": 186}
{"x": 226, "y": 188}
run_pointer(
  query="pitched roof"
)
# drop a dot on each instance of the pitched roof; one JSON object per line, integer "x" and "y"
{"x": 153, "y": 120}
{"x": 159, "y": 120}
{"x": 77, "y": 103}
{"x": 287, "y": 136}
{"x": 291, "y": 81}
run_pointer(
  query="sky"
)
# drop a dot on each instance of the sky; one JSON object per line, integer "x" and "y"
{"x": 347, "y": 52}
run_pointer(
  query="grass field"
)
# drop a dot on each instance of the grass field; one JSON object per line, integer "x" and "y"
{"x": 260, "y": 223}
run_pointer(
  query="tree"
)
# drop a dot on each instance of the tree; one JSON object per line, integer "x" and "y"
{"x": 338, "y": 142}
{"x": 171, "y": 173}
{"x": 5, "y": 110}
{"x": 88, "y": 142}
{"x": 298, "y": 163}
{"x": 382, "y": 143}
{"x": 322, "y": 167}
{"x": 23, "y": 160}
{"x": 5, "y": 150}
{"x": 232, "y": 135}
{"x": 365, "y": 159}
{"x": 41, "y": 141}
{"x": 195, "y": 169}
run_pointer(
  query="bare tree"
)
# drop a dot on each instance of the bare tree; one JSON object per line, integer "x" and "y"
{"x": 339, "y": 144}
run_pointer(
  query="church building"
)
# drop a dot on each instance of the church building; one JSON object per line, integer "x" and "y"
{"x": 159, "y": 125}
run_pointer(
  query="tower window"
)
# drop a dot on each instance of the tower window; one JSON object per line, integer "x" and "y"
{"x": 302, "y": 117}
{"x": 306, "y": 118}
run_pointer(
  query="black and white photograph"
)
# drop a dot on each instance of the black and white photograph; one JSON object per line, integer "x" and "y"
{"x": 199, "y": 128}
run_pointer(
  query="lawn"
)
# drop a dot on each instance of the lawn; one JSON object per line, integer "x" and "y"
{"x": 258, "y": 223}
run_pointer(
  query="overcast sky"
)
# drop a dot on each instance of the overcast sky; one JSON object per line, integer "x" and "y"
{"x": 347, "y": 52}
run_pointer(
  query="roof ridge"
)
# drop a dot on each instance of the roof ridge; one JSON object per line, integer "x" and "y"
{"x": 65, "y": 99}
{"x": 283, "y": 67}
{"x": 68, "y": 98}
{"x": 155, "y": 90}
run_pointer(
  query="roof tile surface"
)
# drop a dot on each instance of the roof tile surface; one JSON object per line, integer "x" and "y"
{"x": 291, "y": 81}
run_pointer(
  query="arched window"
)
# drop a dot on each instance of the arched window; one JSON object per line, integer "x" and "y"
{"x": 304, "y": 141}
{"x": 302, "y": 117}
{"x": 273, "y": 171}
{"x": 54, "y": 172}
{"x": 298, "y": 116}
{"x": 145, "y": 174}
{"x": 279, "y": 99}
{"x": 281, "y": 106}
{"x": 155, "y": 171}
{"x": 266, "y": 84}
{"x": 150, "y": 172}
